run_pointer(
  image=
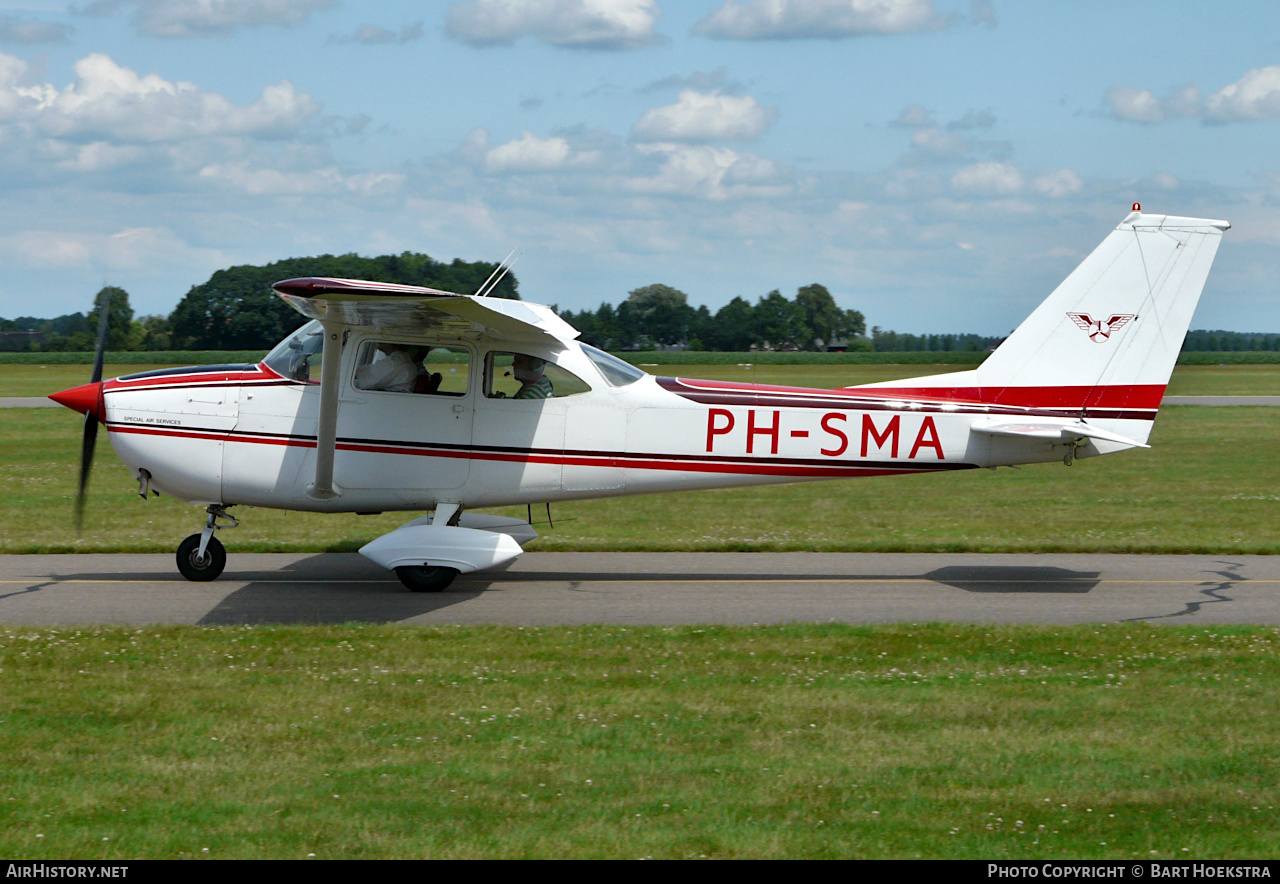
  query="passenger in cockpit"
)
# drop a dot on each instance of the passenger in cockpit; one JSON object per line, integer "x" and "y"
{"x": 397, "y": 370}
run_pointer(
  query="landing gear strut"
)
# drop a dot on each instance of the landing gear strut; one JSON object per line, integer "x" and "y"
{"x": 202, "y": 557}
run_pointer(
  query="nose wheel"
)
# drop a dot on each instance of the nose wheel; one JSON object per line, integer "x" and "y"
{"x": 201, "y": 557}
{"x": 195, "y": 566}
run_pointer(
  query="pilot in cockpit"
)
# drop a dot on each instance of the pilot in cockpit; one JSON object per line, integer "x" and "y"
{"x": 528, "y": 371}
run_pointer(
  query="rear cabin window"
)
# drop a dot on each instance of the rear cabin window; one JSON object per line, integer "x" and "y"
{"x": 400, "y": 367}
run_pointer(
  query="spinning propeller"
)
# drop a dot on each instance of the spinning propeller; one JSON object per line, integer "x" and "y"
{"x": 88, "y": 399}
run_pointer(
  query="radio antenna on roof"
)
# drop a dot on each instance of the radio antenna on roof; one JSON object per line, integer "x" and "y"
{"x": 491, "y": 283}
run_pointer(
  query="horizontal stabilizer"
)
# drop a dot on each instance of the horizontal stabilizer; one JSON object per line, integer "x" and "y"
{"x": 1051, "y": 432}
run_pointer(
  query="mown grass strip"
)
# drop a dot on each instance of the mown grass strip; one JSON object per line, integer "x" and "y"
{"x": 1127, "y": 742}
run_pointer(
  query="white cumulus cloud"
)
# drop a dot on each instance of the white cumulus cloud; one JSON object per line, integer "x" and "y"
{"x": 916, "y": 116}
{"x": 1056, "y": 185}
{"x": 192, "y": 18}
{"x": 708, "y": 172}
{"x": 528, "y": 153}
{"x": 126, "y": 249}
{"x": 376, "y": 35}
{"x": 988, "y": 179}
{"x": 312, "y": 182}
{"x": 109, "y": 102}
{"x": 16, "y": 30}
{"x": 580, "y": 24}
{"x": 1255, "y": 96}
{"x": 703, "y": 116}
{"x": 936, "y": 144}
{"x": 825, "y": 19}
{"x": 1142, "y": 106}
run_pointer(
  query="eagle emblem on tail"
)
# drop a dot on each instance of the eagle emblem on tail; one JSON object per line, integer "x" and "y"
{"x": 1100, "y": 329}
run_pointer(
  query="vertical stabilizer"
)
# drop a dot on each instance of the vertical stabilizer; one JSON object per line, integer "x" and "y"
{"x": 1111, "y": 332}
{"x": 1104, "y": 343}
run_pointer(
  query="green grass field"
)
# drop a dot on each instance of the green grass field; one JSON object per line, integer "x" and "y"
{"x": 1126, "y": 742}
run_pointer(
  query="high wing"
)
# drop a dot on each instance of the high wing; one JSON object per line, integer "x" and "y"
{"x": 354, "y": 302}
{"x": 342, "y": 303}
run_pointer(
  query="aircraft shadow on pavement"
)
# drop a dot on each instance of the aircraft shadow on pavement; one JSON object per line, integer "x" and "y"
{"x": 346, "y": 588}
{"x": 305, "y": 592}
{"x": 970, "y": 578}
{"x": 1027, "y": 579}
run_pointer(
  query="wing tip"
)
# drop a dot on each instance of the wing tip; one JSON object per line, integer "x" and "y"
{"x": 319, "y": 286}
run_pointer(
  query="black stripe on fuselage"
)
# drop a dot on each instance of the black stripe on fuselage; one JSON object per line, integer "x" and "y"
{"x": 191, "y": 369}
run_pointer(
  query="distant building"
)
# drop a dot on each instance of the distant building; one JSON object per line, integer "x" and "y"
{"x": 19, "y": 341}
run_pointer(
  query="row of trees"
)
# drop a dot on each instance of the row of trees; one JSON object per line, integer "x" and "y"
{"x": 78, "y": 331}
{"x": 1220, "y": 341}
{"x": 235, "y": 309}
{"x": 657, "y": 316}
{"x": 883, "y": 341}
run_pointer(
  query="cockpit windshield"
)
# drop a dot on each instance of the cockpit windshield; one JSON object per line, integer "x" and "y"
{"x": 615, "y": 371}
{"x": 297, "y": 357}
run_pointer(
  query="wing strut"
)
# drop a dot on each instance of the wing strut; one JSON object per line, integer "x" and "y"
{"x": 327, "y": 426}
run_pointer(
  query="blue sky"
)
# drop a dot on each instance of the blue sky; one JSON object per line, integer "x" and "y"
{"x": 938, "y": 165}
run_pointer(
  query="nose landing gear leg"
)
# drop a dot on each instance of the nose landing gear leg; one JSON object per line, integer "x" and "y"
{"x": 202, "y": 557}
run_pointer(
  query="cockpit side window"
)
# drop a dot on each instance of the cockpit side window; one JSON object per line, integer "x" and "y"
{"x": 511, "y": 375}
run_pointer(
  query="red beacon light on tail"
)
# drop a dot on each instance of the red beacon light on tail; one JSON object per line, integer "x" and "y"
{"x": 1137, "y": 207}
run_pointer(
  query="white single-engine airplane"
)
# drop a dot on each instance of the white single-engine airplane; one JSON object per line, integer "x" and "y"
{"x": 402, "y": 398}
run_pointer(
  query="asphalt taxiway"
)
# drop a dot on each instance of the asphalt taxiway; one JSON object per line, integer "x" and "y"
{"x": 653, "y": 588}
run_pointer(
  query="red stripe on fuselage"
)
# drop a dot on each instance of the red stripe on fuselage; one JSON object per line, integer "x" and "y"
{"x": 1112, "y": 396}
{"x": 673, "y": 463}
{"x": 1134, "y": 400}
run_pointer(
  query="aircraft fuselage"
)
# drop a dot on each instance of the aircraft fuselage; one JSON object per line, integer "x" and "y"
{"x": 246, "y": 434}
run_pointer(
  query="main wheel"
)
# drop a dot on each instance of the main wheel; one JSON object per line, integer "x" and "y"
{"x": 426, "y": 578}
{"x": 195, "y": 568}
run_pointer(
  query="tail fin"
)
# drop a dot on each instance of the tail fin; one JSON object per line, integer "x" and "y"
{"x": 1117, "y": 322}
{"x": 1105, "y": 342}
